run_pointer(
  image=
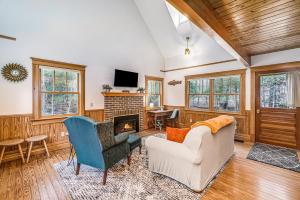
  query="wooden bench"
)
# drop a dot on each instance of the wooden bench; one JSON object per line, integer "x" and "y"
{"x": 33, "y": 139}
{"x": 9, "y": 143}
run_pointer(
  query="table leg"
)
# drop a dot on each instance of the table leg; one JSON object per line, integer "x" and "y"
{"x": 29, "y": 151}
{"x": 2, "y": 153}
{"x": 46, "y": 148}
{"x": 155, "y": 119}
{"x": 21, "y": 152}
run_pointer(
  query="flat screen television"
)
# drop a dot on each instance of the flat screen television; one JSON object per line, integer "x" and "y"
{"x": 125, "y": 78}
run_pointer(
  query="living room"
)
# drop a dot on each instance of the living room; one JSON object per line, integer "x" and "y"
{"x": 155, "y": 76}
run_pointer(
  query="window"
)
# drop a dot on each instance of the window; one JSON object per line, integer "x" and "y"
{"x": 199, "y": 93}
{"x": 154, "y": 92}
{"x": 274, "y": 90}
{"x": 58, "y": 89}
{"x": 218, "y": 92}
{"x": 227, "y": 94}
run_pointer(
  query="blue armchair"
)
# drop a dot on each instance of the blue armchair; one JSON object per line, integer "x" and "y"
{"x": 95, "y": 144}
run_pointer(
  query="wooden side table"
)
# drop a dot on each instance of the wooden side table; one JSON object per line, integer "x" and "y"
{"x": 33, "y": 139}
{"x": 13, "y": 142}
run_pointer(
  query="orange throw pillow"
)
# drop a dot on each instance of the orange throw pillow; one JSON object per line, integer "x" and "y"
{"x": 177, "y": 134}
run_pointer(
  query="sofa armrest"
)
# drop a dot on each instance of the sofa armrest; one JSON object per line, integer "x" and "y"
{"x": 172, "y": 149}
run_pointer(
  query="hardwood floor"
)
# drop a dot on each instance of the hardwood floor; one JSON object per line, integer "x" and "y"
{"x": 241, "y": 179}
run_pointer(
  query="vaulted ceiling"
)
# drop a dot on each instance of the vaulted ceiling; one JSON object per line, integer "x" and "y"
{"x": 246, "y": 27}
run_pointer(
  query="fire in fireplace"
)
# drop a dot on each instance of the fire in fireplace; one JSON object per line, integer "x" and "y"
{"x": 128, "y": 123}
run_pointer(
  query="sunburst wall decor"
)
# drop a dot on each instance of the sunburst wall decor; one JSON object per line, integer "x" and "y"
{"x": 14, "y": 72}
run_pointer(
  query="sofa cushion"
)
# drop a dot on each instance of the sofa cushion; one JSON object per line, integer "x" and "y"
{"x": 177, "y": 134}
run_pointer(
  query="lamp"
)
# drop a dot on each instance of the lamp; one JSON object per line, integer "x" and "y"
{"x": 187, "y": 51}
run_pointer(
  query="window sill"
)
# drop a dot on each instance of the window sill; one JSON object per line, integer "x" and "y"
{"x": 153, "y": 108}
{"x": 50, "y": 120}
{"x": 210, "y": 111}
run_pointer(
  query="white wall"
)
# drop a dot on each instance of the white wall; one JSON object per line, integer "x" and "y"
{"x": 101, "y": 34}
{"x": 174, "y": 95}
{"x": 291, "y": 55}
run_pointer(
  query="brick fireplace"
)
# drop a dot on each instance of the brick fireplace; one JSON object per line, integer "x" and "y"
{"x": 122, "y": 107}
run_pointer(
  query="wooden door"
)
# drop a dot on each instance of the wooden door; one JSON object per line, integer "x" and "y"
{"x": 276, "y": 123}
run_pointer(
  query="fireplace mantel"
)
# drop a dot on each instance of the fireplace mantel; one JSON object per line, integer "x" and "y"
{"x": 121, "y": 94}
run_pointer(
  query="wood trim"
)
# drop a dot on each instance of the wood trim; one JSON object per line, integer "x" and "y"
{"x": 202, "y": 65}
{"x": 241, "y": 72}
{"x": 36, "y": 92}
{"x": 57, "y": 64}
{"x": 121, "y": 94}
{"x": 202, "y": 15}
{"x": 289, "y": 66}
{"x": 298, "y": 127}
{"x": 281, "y": 67}
{"x": 217, "y": 74}
{"x": 155, "y": 78}
{"x": 8, "y": 37}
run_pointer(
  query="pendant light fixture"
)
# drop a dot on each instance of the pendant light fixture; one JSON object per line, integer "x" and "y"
{"x": 187, "y": 51}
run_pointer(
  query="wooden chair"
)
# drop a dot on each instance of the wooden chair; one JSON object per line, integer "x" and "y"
{"x": 13, "y": 142}
{"x": 33, "y": 139}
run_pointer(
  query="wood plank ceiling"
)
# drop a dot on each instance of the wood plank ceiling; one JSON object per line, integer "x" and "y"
{"x": 260, "y": 26}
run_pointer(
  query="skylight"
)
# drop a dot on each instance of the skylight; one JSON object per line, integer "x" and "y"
{"x": 177, "y": 17}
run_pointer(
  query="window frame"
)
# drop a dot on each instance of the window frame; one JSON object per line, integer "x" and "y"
{"x": 211, "y": 76}
{"x": 161, "y": 93}
{"x": 199, "y": 94}
{"x": 37, "y": 91}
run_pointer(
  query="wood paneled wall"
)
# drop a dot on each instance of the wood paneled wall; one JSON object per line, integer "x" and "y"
{"x": 188, "y": 117}
{"x": 21, "y": 126}
{"x": 97, "y": 115}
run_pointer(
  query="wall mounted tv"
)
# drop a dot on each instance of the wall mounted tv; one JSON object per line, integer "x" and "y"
{"x": 125, "y": 78}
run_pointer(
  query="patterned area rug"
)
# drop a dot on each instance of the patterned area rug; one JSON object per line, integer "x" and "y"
{"x": 274, "y": 155}
{"x": 123, "y": 182}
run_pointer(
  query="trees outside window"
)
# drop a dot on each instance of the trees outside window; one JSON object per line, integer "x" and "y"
{"x": 58, "y": 89}
{"x": 154, "y": 92}
{"x": 274, "y": 90}
{"x": 218, "y": 92}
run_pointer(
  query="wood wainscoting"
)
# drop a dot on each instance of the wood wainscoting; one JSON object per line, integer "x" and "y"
{"x": 21, "y": 126}
{"x": 188, "y": 117}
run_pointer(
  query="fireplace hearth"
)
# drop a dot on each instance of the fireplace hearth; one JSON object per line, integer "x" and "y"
{"x": 128, "y": 123}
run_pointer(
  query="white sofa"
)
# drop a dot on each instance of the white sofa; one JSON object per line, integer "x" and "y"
{"x": 197, "y": 160}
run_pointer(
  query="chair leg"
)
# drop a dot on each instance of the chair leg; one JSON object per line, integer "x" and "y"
{"x": 46, "y": 148}
{"x": 2, "y": 153}
{"x": 77, "y": 168}
{"x": 129, "y": 158}
{"x": 140, "y": 149}
{"x": 104, "y": 177}
{"x": 21, "y": 152}
{"x": 29, "y": 152}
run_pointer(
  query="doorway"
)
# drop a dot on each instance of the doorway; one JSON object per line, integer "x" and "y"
{"x": 276, "y": 119}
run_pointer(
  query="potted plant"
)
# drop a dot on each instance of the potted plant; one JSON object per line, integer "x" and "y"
{"x": 106, "y": 88}
{"x": 140, "y": 90}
